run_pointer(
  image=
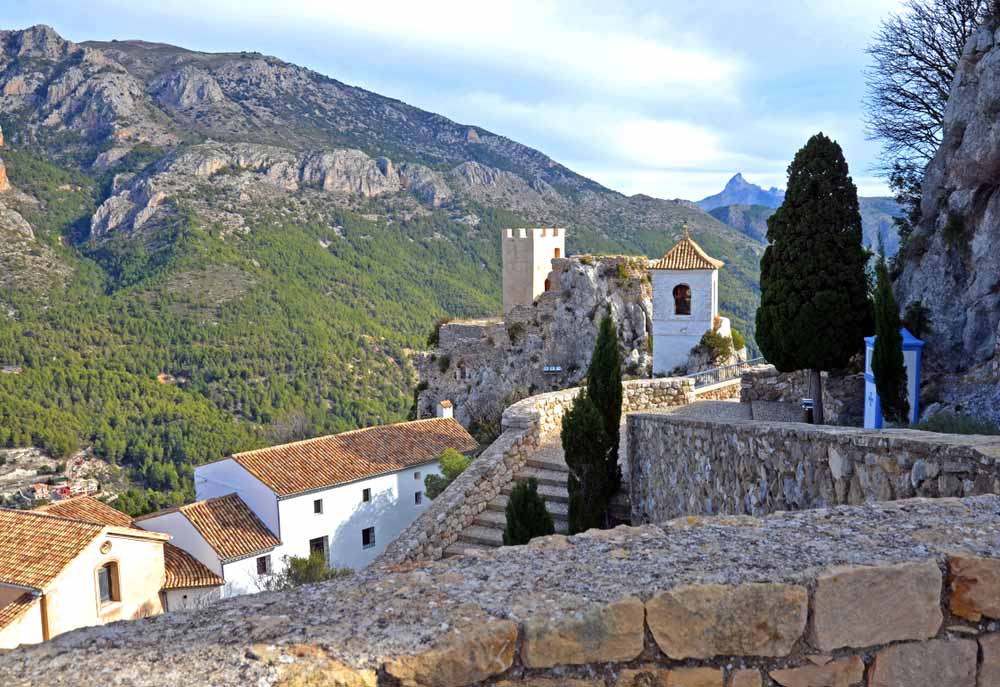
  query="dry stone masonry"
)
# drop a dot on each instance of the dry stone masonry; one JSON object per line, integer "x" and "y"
{"x": 900, "y": 594}
{"x": 711, "y": 458}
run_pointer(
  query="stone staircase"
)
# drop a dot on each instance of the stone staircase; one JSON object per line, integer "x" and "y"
{"x": 548, "y": 467}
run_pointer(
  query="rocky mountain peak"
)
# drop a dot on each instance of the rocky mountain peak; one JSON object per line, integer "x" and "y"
{"x": 739, "y": 191}
{"x": 38, "y": 41}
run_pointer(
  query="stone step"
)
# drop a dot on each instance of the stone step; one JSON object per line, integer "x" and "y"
{"x": 498, "y": 519}
{"x": 546, "y": 491}
{"x": 558, "y": 510}
{"x": 477, "y": 534}
{"x": 546, "y": 461}
{"x": 460, "y": 547}
{"x": 555, "y": 478}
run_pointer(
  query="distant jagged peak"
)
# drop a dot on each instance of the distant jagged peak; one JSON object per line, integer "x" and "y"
{"x": 39, "y": 41}
{"x": 739, "y": 191}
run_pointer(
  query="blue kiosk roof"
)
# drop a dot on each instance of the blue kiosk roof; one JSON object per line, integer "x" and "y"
{"x": 910, "y": 342}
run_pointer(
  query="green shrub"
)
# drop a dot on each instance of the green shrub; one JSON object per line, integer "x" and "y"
{"x": 453, "y": 464}
{"x": 434, "y": 338}
{"x": 955, "y": 423}
{"x": 586, "y": 446}
{"x": 300, "y": 570}
{"x": 954, "y": 230}
{"x": 444, "y": 362}
{"x": 917, "y": 319}
{"x": 720, "y": 346}
{"x": 526, "y": 515}
{"x": 739, "y": 341}
{"x": 622, "y": 272}
{"x": 514, "y": 332}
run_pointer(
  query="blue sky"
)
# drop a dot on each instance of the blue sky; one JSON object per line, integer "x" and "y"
{"x": 666, "y": 98}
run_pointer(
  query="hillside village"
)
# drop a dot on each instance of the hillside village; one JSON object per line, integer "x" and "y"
{"x": 302, "y": 385}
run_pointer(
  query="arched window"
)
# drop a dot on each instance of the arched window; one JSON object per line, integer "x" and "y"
{"x": 557, "y": 253}
{"x": 682, "y": 299}
{"x": 108, "y": 586}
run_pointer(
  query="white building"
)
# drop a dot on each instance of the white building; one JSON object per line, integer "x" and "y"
{"x": 913, "y": 352}
{"x": 345, "y": 496}
{"x": 527, "y": 262}
{"x": 685, "y": 303}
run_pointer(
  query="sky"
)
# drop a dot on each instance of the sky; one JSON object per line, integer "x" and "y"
{"x": 669, "y": 98}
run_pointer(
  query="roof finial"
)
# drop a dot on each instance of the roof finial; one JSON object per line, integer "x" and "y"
{"x": 687, "y": 234}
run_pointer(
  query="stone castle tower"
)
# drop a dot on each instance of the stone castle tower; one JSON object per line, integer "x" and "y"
{"x": 527, "y": 261}
{"x": 685, "y": 303}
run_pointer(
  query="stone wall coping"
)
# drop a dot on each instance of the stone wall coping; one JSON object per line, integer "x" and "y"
{"x": 574, "y": 601}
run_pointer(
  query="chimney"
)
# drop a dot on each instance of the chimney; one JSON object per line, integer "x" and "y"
{"x": 445, "y": 409}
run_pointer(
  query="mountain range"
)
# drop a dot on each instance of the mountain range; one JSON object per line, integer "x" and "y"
{"x": 745, "y": 207}
{"x": 200, "y": 253}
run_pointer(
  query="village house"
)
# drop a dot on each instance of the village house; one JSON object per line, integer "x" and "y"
{"x": 344, "y": 496}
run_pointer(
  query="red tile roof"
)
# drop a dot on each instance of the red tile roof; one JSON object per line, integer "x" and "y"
{"x": 16, "y": 608}
{"x": 36, "y": 547}
{"x": 340, "y": 458}
{"x": 184, "y": 570}
{"x": 686, "y": 255}
{"x": 88, "y": 509}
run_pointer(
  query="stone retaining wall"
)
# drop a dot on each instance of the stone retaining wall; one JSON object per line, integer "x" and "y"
{"x": 902, "y": 594}
{"x": 723, "y": 391}
{"x": 526, "y": 425}
{"x": 843, "y": 395}
{"x": 693, "y": 462}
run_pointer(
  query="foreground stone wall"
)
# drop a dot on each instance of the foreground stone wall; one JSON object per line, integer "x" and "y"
{"x": 903, "y": 594}
{"x": 698, "y": 461}
{"x": 526, "y": 425}
{"x": 843, "y": 395}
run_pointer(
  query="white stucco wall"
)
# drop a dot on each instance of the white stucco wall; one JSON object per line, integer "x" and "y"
{"x": 527, "y": 260}
{"x": 26, "y": 629}
{"x": 191, "y": 597}
{"x": 675, "y": 335}
{"x": 241, "y": 575}
{"x": 226, "y": 476}
{"x": 184, "y": 535}
{"x": 345, "y": 515}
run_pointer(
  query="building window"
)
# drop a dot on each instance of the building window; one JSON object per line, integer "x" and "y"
{"x": 557, "y": 254}
{"x": 366, "y": 495}
{"x": 367, "y": 537}
{"x": 682, "y": 299}
{"x": 416, "y": 475}
{"x": 418, "y": 498}
{"x": 318, "y": 506}
{"x": 264, "y": 565}
{"x": 548, "y": 285}
{"x": 317, "y": 547}
{"x": 107, "y": 583}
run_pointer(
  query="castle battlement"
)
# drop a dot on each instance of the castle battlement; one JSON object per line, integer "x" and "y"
{"x": 527, "y": 261}
{"x": 534, "y": 233}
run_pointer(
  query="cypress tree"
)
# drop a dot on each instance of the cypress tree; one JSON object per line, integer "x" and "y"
{"x": 604, "y": 388}
{"x": 887, "y": 358}
{"x": 585, "y": 444}
{"x": 526, "y": 515}
{"x": 814, "y": 291}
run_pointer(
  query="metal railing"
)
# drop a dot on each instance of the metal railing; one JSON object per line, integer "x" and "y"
{"x": 717, "y": 375}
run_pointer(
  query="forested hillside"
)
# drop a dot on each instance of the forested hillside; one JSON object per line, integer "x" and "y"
{"x": 168, "y": 299}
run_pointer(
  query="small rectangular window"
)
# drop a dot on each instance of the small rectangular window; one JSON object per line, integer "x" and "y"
{"x": 317, "y": 547}
{"x": 366, "y": 495}
{"x": 416, "y": 475}
{"x": 418, "y": 498}
{"x": 264, "y": 565}
{"x": 107, "y": 583}
{"x": 318, "y": 506}
{"x": 368, "y": 537}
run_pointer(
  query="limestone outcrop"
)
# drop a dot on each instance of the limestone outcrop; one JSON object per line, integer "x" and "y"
{"x": 483, "y": 366}
{"x": 950, "y": 264}
{"x": 850, "y": 596}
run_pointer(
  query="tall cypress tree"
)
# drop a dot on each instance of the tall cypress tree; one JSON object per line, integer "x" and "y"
{"x": 814, "y": 292}
{"x": 604, "y": 388}
{"x": 527, "y": 517}
{"x": 887, "y": 359}
{"x": 585, "y": 445}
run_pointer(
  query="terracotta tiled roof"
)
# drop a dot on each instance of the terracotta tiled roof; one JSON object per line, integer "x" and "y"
{"x": 686, "y": 255}
{"x": 229, "y": 526}
{"x": 326, "y": 461}
{"x": 35, "y": 547}
{"x": 88, "y": 509}
{"x": 16, "y": 608}
{"x": 184, "y": 570}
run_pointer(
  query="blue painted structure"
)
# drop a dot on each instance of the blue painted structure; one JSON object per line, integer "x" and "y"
{"x": 913, "y": 349}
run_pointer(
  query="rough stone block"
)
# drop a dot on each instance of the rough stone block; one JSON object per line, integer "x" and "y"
{"x": 596, "y": 633}
{"x": 473, "y": 653}
{"x": 702, "y": 621}
{"x": 936, "y": 663}
{"x": 655, "y": 676}
{"x": 842, "y": 673}
{"x": 551, "y": 682}
{"x": 865, "y": 606}
{"x": 745, "y": 678}
{"x": 989, "y": 671}
{"x": 975, "y": 587}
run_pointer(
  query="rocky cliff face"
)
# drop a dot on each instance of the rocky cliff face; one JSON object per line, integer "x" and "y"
{"x": 950, "y": 264}
{"x": 483, "y": 366}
